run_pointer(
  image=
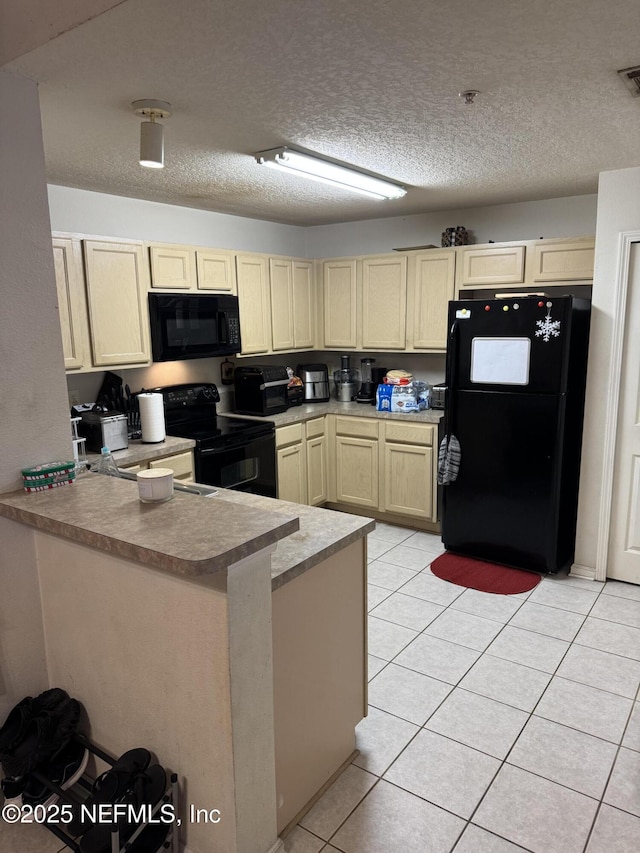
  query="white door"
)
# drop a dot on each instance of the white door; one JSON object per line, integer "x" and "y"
{"x": 624, "y": 541}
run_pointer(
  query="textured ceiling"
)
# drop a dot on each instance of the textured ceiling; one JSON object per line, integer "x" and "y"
{"x": 371, "y": 82}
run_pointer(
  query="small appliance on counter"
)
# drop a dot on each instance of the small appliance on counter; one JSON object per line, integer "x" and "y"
{"x": 377, "y": 378}
{"x": 261, "y": 390}
{"x": 295, "y": 389}
{"x": 438, "y": 396}
{"x": 315, "y": 380}
{"x": 367, "y": 392}
{"x": 103, "y": 429}
{"x": 347, "y": 381}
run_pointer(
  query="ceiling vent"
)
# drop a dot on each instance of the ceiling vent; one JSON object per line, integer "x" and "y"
{"x": 631, "y": 79}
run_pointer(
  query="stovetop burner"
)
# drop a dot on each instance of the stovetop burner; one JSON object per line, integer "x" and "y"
{"x": 190, "y": 412}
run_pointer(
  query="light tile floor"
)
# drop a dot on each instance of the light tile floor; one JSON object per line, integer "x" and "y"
{"x": 497, "y": 723}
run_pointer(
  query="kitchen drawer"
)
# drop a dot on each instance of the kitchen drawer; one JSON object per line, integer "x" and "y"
{"x": 289, "y": 434}
{"x": 315, "y": 428}
{"x": 409, "y": 433}
{"x": 361, "y": 427}
{"x": 132, "y": 469}
{"x": 181, "y": 464}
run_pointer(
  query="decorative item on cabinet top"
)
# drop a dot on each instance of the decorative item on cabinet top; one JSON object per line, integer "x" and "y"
{"x": 456, "y": 236}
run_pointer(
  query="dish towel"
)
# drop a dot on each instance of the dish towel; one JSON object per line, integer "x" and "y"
{"x": 448, "y": 460}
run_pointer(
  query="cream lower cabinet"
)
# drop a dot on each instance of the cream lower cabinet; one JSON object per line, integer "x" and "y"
{"x": 291, "y": 463}
{"x": 385, "y": 465}
{"x": 182, "y": 465}
{"x": 356, "y": 461}
{"x": 301, "y": 455}
{"x": 409, "y": 487}
{"x": 317, "y": 461}
{"x": 117, "y": 281}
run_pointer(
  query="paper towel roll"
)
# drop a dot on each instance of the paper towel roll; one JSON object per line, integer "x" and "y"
{"x": 152, "y": 417}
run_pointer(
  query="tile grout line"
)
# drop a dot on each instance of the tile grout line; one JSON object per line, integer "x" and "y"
{"x": 530, "y": 714}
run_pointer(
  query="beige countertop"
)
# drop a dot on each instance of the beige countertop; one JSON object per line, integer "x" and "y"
{"x": 307, "y": 411}
{"x": 322, "y": 533}
{"x": 188, "y": 535}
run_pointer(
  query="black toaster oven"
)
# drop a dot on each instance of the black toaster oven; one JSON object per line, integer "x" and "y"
{"x": 261, "y": 390}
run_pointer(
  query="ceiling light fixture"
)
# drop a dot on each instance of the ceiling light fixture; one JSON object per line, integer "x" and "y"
{"x": 151, "y": 134}
{"x": 316, "y": 169}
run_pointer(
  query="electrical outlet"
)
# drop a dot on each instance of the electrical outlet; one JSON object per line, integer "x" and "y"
{"x": 74, "y": 397}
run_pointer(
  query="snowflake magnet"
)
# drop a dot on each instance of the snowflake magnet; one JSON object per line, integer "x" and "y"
{"x": 548, "y": 328}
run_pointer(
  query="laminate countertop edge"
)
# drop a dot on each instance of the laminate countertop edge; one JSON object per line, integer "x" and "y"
{"x": 188, "y": 536}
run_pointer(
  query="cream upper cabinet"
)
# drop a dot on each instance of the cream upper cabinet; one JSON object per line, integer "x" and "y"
{"x": 317, "y": 462}
{"x": 216, "y": 270}
{"x": 117, "y": 280}
{"x": 252, "y": 272}
{"x": 303, "y": 305}
{"x": 175, "y": 267}
{"x": 172, "y": 267}
{"x": 281, "y": 284}
{"x": 339, "y": 302}
{"x": 384, "y": 302}
{"x": 72, "y": 308}
{"x": 563, "y": 261}
{"x": 491, "y": 265}
{"x": 431, "y": 287}
{"x": 408, "y": 470}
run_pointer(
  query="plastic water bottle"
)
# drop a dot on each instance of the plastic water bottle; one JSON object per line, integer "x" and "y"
{"x": 107, "y": 464}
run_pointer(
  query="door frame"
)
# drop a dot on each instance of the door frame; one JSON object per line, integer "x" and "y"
{"x": 621, "y": 290}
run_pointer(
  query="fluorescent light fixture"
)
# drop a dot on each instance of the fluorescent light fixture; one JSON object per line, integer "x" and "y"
{"x": 317, "y": 169}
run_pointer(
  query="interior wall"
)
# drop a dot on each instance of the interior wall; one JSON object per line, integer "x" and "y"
{"x": 35, "y": 420}
{"x": 34, "y": 426}
{"x": 618, "y": 211}
{"x": 83, "y": 211}
{"x": 531, "y": 220}
{"x": 23, "y": 670}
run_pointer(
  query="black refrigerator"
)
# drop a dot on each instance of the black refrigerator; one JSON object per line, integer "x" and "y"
{"x": 516, "y": 374}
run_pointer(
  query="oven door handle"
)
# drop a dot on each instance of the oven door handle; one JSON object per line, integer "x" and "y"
{"x": 210, "y": 451}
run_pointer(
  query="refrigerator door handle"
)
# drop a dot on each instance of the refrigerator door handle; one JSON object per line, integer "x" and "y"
{"x": 451, "y": 371}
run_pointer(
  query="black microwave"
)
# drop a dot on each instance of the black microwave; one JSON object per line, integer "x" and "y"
{"x": 193, "y": 325}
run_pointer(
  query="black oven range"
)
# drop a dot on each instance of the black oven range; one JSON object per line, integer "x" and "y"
{"x": 231, "y": 453}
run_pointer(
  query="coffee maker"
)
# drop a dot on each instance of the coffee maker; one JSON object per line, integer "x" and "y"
{"x": 367, "y": 392}
{"x": 347, "y": 381}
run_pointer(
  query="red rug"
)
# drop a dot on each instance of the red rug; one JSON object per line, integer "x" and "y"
{"x": 487, "y": 577}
